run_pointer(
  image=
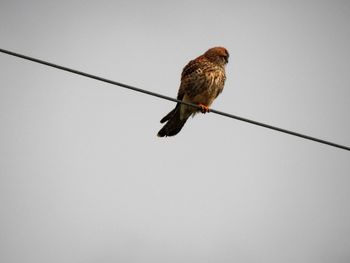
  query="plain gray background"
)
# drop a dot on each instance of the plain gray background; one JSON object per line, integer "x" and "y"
{"x": 85, "y": 179}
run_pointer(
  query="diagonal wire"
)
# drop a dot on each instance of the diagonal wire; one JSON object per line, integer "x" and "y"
{"x": 175, "y": 100}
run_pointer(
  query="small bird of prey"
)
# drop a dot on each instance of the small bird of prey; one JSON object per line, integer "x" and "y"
{"x": 202, "y": 80}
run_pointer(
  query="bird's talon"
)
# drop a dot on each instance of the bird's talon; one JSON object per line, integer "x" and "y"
{"x": 204, "y": 108}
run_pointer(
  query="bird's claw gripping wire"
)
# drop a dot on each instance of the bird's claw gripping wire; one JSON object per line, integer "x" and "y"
{"x": 203, "y": 108}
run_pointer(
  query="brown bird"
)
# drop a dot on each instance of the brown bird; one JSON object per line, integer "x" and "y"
{"x": 202, "y": 80}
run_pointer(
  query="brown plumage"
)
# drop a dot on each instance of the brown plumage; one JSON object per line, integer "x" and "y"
{"x": 202, "y": 80}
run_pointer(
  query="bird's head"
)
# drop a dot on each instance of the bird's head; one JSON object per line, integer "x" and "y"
{"x": 218, "y": 55}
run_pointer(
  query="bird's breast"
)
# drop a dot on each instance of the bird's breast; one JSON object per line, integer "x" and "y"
{"x": 212, "y": 87}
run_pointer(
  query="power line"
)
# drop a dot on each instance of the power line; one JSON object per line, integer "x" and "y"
{"x": 174, "y": 100}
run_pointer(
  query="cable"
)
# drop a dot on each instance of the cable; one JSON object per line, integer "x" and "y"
{"x": 174, "y": 100}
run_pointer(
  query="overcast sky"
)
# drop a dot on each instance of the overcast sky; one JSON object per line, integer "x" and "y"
{"x": 83, "y": 177}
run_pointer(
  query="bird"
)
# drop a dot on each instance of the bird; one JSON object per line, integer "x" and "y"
{"x": 202, "y": 80}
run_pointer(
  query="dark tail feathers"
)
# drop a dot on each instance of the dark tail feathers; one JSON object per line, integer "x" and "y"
{"x": 170, "y": 114}
{"x": 174, "y": 124}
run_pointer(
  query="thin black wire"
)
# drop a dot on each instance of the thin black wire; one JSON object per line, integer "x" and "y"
{"x": 174, "y": 100}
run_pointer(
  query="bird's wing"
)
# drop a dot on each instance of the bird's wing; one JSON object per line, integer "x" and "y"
{"x": 192, "y": 78}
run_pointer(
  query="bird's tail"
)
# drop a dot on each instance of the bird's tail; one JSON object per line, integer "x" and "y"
{"x": 170, "y": 114}
{"x": 174, "y": 123}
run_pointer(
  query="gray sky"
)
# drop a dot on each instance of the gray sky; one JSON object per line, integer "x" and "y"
{"x": 83, "y": 177}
